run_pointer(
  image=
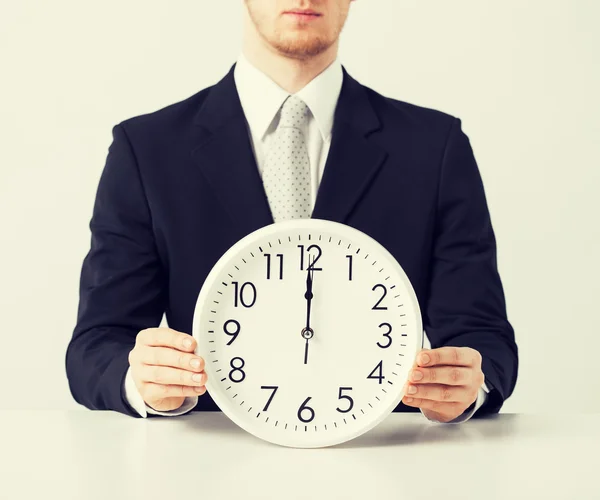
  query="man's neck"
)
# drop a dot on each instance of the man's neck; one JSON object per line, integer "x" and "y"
{"x": 291, "y": 74}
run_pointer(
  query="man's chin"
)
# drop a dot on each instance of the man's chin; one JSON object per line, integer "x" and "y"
{"x": 302, "y": 48}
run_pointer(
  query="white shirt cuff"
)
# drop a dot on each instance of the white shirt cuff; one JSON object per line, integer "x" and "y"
{"x": 481, "y": 398}
{"x": 135, "y": 400}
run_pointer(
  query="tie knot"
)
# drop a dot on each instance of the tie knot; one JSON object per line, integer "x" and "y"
{"x": 294, "y": 112}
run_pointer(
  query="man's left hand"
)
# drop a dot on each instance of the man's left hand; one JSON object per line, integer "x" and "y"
{"x": 444, "y": 382}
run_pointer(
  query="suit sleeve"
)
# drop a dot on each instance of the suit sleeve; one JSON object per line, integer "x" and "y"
{"x": 466, "y": 304}
{"x": 122, "y": 285}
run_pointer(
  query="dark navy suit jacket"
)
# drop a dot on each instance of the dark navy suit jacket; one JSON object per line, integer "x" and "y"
{"x": 181, "y": 185}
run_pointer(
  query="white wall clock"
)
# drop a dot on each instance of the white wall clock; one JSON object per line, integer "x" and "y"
{"x": 308, "y": 328}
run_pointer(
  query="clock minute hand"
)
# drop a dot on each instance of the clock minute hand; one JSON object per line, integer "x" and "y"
{"x": 307, "y": 332}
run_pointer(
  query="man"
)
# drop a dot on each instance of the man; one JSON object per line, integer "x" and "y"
{"x": 205, "y": 170}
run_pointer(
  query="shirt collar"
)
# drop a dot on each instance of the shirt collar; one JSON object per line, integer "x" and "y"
{"x": 261, "y": 97}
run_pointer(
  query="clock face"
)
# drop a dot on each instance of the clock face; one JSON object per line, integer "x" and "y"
{"x": 304, "y": 378}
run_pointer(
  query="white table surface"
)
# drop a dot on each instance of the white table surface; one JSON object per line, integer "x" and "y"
{"x": 91, "y": 454}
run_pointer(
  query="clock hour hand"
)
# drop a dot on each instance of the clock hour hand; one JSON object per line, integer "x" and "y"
{"x": 308, "y": 296}
{"x": 307, "y": 332}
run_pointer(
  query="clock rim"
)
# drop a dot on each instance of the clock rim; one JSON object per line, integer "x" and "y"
{"x": 274, "y": 228}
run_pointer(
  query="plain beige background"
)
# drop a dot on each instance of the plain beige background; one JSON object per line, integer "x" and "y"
{"x": 523, "y": 75}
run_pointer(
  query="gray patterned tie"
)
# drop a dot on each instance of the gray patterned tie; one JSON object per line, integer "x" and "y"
{"x": 286, "y": 172}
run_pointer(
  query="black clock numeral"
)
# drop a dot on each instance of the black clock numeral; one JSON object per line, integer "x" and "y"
{"x": 377, "y": 307}
{"x": 386, "y": 335}
{"x": 349, "y": 257}
{"x": 239, "y": 293}
{"x": 232, "y": 334}
{"x": 343, "y": 396}
{"x": 379, "y": 368}
{"x": 237, "y": 369}
{"x": 311, "y": 266}
{"x": 274, "y": 389}
{"x": 268, "y": 256}
{"x": 304, "y": 408}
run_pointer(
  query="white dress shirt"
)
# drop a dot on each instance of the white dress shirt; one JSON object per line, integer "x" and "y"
{"x": 261, "y": 98}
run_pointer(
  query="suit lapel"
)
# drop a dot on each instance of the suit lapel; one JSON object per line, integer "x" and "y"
{"x": 225, "y": 157}
{"x": 353, "y": 160}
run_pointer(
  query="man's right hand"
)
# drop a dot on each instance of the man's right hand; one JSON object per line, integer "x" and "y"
{"x": 165, "y": 369}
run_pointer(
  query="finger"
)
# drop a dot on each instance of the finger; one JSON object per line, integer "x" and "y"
{"x": 152, "y": 391}
{"x": 167, "y": 337}
{"x": 440, "y": 392}
{"x": 445, "y": 408}
{"x": 166, "y": 356}
{"x": 450, "y": 375}
{"x": 455, "y": 356}
{"x": 170, "y": 376}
